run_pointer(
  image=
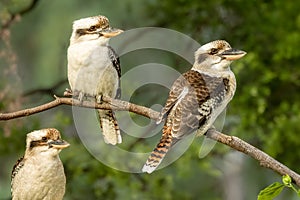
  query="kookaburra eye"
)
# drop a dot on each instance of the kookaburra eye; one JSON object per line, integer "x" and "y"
{"x": 213, "y": 51}
{"x": 44, "y": 138}
{"x": 92, "y": 28}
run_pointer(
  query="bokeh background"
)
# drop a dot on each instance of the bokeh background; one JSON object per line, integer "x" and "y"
{"x": 264, "y": 112}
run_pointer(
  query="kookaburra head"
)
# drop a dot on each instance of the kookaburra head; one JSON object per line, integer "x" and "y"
{"x": 216, "y": 56}
{"x": 47, "y": 142}
{"x": 91, "y": 29}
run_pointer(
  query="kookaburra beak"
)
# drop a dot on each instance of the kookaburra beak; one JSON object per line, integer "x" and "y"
{"x": 232, "y": 54}
{"x": 58, "y": 144}
{"x": 110, "y": 32}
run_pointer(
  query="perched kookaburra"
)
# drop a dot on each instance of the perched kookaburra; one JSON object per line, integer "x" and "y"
{"x": 197, "y": 97}
{"x": 39, "y": 175}
{"x": 94, "y": 68}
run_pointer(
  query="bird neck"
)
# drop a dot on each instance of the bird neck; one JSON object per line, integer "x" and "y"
{"x": 213, "y": 72}
{"x": 225, "y": 74}
{"x": 39, "y": 154}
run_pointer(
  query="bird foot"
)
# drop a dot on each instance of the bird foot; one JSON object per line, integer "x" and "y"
{"x": 68, "y": 93}
{"x": 211, "y": 129}
{"x": 99, "y": 98}
{"x": 74, "y": 94}
{"x": 160, "y": 119}
{"x": 81, "y": 96}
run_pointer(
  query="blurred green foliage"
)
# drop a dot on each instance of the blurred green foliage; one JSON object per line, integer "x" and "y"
{"x": 264, "y": 112}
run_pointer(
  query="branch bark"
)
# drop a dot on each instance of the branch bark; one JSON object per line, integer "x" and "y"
{"x": 108, "y": 103}
{"x": 234, "y": 142}
{"x": 264, "y": 159}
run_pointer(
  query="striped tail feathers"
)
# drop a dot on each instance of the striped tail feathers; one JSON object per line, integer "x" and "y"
{"x": 160, "y": 151}
{"x": 110, "y": 129}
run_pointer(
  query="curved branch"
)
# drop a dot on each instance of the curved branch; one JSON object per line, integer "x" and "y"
{"x": 264, "y": 159}
{"x": 234, "y": 142}
{"x": 108, "y": 104}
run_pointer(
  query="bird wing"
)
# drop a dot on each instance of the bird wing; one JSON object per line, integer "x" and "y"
{"x": 176, "y": 92}
{"x": 19, "y": 164}
{"x": 116, "y": 63}
{"x": 191, "y": 101}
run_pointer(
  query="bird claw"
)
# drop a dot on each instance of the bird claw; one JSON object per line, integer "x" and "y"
{"x": 99, "y": 98}
{"x": 76, "y": 94}
{"x": 81, "y": 96}
{"x": 211, "y": 129}
{"x": 68, "y": 92}
{"x": 160, "y": 119}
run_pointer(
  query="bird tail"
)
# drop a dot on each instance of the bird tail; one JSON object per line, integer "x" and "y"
{"x": 160, "y": 151}
{"x": 110, "y": 129}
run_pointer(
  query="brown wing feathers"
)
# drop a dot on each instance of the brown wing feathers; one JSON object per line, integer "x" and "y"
{"x": 185, "y": 111}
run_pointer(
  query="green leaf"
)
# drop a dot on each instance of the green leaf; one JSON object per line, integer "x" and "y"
{"x": 270, "y": 192}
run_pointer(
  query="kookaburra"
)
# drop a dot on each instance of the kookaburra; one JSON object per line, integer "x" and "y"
{"x": 40, "y": 173}
{"x": 94, "y": 68}
{"x": 197, "y": 97}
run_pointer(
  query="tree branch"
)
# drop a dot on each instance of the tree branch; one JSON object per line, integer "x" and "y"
{"x": 107, "y": 104}
{"x": 264, "y": 159}
{"x": 234, "y": 142}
